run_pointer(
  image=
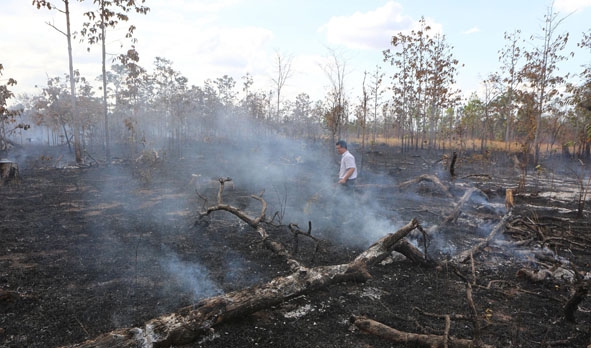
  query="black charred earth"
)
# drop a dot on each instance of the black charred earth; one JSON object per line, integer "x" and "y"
{"x": 88, "y": 250}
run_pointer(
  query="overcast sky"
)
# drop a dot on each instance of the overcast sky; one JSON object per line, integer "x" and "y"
{"x": 206, "y": 39}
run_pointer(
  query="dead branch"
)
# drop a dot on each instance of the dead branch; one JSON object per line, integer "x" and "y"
{"x": 295, "y": 229}
{"x": 426, "y": 177}
{"x": 453, "y": 216}
{"x": 442, "y": 316}
{"x": 254, "y": 222}
{"x": 482, "y": 176}
{"x": 412, "y": 253}
{"x": 465, "y": 255}
{"x": 452, "y": 166}
{"x": 192, "y": 322}
{"x": 572, "y": 304}
{"x": 410, "y": 339}
{"x": 555, "y": 273}
{"x": 471, "y": 305}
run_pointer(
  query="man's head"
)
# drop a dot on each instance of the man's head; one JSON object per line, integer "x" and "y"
{"x": 341, "y": 146}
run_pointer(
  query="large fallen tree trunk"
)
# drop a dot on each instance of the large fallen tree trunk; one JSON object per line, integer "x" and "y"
{"x": 190, "y": 323}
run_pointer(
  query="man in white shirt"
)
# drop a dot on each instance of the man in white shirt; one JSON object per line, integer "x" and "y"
{"x": 348, "y": 170}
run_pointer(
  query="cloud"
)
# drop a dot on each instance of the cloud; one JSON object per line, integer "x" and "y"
{"x": 471, "y": 31}
{"x": 569, "y": 6}
{"x": 367, "y": 30}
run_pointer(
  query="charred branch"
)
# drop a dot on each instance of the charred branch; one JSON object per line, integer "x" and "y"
{"x": 467, "y": 254}
{"x": 452, "y": 166}
{"x": 412, "y": 253}
{"x": 295, "y": 229}
{"x": 572, "y": 304}
{"x": 453, "y": 216}
{"x": 430, "y": 178}
{"x": 410, "y": 339}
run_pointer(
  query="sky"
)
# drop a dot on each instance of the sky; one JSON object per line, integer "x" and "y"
{"x": 206, "y": 39}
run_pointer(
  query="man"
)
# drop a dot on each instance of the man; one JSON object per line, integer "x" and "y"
{"x": 348, "y": 170}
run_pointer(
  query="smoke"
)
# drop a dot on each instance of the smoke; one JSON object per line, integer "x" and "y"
{"x": 190, "y": 276}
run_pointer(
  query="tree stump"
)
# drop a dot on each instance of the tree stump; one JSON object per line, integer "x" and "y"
{"x": 8, "y": 171}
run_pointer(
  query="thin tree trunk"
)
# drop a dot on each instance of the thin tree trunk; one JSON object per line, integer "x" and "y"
{"x": 105, "y": 109}
{"x": 75, "y": 113}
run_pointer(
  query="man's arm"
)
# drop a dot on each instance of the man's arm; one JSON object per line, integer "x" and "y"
{"x": 348, "y": 174}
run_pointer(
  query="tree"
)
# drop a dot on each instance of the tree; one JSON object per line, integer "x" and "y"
{"x": 108, "y": 14}
{"x": 441, "y": 74}
{"x": 490, "y": 106}
{"x": 510, "y": 57}
{"x": 422, "y": 82}
{"x": 362, "y": 117}
{"x": 472, "y": 115}
{"x": 404, "y": 100}
{"x": 375, "y": 93}
{"x": 302, "y": 114}
{"x": 68, "y": 35}
{"x": 54, "y": 109}
{"x": 7, "y": 116}
{"x": 335, "y": 70}
{"x": 283, "y": 73}
{"x": 170, "y": 102}
{"x": 580, "y": 100}
{"x": 541, "y": 71}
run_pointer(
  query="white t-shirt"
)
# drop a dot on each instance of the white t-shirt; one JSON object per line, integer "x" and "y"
{"x": 347, "y": 162}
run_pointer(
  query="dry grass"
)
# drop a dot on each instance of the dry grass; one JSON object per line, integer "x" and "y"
{"x": 471, "y": 144}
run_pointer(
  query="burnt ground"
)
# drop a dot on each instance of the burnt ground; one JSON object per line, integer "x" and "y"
{"x": 88, "y": 250}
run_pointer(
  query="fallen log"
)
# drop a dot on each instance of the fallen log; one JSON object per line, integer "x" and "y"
{"x": 190, "y": 323}
{"x": 411, "y": 339}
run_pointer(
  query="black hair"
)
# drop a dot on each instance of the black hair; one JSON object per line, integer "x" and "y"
{"x": 342, "y": 144}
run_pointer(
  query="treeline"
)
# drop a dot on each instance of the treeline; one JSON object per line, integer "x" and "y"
{"x": 410, "y": 96}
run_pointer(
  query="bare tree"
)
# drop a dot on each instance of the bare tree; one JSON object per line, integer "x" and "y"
{"x": 283, "y": 73}
{"x": 362, "y": 117}
{"x": 376, "y": 91}
{"x": 510, "y": 56}
{"x": 68, "y": 35}
{"x": 335, "y": 70}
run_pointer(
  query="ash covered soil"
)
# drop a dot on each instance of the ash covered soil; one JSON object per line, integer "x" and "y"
{"x": 85, "y": 251}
